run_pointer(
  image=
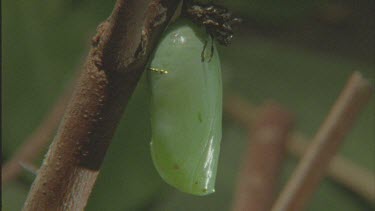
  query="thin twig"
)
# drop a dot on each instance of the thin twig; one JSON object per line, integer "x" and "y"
{"x": 341, "y": 170}
{"x": 258, "y": 179}
{"x": 29, "y": 167}
{"x": 118, "y": 56}
{"x": 37, "y": 141}
{"x": 312, "y": 167}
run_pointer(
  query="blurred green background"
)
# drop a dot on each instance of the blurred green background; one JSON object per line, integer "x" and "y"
{"x": 299, "y": 53}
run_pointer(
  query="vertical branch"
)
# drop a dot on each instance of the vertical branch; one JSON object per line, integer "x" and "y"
{"x": 259, "y": 175}
{"x": 314, "y": 163}
{"x": 118, "y": 56}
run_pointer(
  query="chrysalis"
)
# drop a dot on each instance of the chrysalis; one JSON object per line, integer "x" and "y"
{"x": 186, "y": 108}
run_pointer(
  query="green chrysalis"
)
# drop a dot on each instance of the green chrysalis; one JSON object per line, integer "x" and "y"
{"x": 186, "y": 109}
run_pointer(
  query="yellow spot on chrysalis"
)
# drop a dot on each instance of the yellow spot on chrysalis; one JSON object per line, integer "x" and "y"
{"x": 157, "y": 70}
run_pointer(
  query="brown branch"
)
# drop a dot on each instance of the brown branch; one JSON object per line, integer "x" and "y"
{"x": 341, "y": 170}
{"x": 257, "y": 182}
{"x": 312, "y": 167}
{"x": 37, "y": 141}
{"x": 118, "y": 56}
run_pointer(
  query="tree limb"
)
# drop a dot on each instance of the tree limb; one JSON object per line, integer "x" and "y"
{"x": 342, "y": 170}
{"x": 258, "y": 179}
{"x": 313, "y": 165}
{"x": 118, "y": 56}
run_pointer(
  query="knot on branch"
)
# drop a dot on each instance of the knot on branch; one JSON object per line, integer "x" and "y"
{"x": 99, "y": 33}
{"x": 97, "y": 42}
{"x": 160, "y": 15}
{"x": 157, "y": 16}
{"x": 142, "y": 47}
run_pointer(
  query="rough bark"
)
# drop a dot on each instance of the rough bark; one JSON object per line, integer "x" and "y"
{"x": 118, "y": 56}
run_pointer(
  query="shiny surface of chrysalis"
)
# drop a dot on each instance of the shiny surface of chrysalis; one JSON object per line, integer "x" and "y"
{"x": 186, "y": 109}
